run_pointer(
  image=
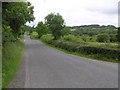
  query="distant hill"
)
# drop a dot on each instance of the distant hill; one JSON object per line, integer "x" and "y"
{"x": 93, "y": 26}
{"x": 94, "y": 29}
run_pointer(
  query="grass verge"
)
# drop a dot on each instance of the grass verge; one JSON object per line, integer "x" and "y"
{"x": 11, "y": 60}
{"x": 93, "y": 56}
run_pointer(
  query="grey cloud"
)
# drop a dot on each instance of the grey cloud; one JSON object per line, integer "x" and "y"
{"x": 112, "y": 11}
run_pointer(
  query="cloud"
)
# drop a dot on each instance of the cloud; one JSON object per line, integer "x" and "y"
{"x": 104, "y": 7}
{"x": 78, "y": 12}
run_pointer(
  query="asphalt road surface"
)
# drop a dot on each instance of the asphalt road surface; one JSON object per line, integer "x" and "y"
{"x": 46, "y": 67}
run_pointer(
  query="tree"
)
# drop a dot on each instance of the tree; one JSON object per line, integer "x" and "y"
{"x": 16, "y": 14}
{"x": 65, "y": 31}
{"x": 7, "y": 35}
{"x": 42, "y": 29}
{"x": 103, "y": 38}
{"x": 56, "y": 23}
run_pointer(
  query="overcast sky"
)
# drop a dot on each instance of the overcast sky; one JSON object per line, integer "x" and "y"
{"x": 78, "y": 12}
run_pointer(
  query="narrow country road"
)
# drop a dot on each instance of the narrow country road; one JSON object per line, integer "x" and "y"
{"x": 46, "y": 67}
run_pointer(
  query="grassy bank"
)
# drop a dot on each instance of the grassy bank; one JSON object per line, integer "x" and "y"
{"x": 11, "y": 59}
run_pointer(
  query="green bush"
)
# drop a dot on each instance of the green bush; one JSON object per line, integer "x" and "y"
{"x": 34, "y": 35}
{"x": 113, "y": 38}
{"x": 103, "y": 38}
{"x": 72, "y": 38}
{"x": 92, "y": 39}
{"x": 7, "y": 35}
{"x": 47, "y": 38}
{"x": 75, "y": 47}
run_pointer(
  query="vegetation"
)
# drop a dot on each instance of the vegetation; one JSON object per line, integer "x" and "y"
{"x": 56, "y": 24}
{"x": 95, "y": 41}
{"x": 11, "y": 59}
{"x": 14, "y": 17}
{"x": 42, "y": 29}
{"x": 91, "y": 50}
{"x": 103, "y": 38}
{"x": 47, "y": 38}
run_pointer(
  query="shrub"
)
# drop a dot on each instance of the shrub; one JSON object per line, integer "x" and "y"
{"x": 34, "y": 35}
{"x": 75, "y": 47}
{"x": 7, "y": 35}
{"x": 103, "y": 38}
{"x": 47, "y": 38}
{"x": 93, "y": 39}
{"x": 72, "y": 38}
{"x": 113, "y": 38}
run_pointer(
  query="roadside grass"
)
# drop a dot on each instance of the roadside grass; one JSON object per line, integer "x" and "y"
{"x": 94, "y": 56}
{"x": 11, "y": 60}
{"x": 0, "y": 66}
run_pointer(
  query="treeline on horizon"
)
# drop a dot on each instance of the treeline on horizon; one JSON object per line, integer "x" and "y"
{"x": 93, "y": 26}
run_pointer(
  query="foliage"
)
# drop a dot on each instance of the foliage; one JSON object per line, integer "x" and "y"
{"x": 16, "y": 14}
{"x": 42, "y": 29}
{"x": 56, "y": 23}
{"x": 65, "y": 31}
{"x": 11, "y": 59}
{"x": 103, "y": 38}
{"x": 93, "y": 30}
{"x": 72, "y": 38}
{"x": 113, "y": 38}
{"x": 34, "y": 35}
{"x": 47, "y": 38}
{"x": 90, "y": 50}
{"x": 7, "y": 34}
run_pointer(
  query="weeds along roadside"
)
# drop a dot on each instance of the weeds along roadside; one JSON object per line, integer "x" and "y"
{"x": 12, "y": 54}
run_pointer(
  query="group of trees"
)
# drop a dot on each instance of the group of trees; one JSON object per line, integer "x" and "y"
{"x": 102, "y": 33}
{"x": 14, "y": 17}
{"x": 54, "y": 23}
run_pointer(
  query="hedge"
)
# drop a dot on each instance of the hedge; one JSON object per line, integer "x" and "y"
{"x": 76, "y": 47}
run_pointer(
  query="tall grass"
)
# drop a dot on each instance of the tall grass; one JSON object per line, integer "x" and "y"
{"x": 11, "y": 59}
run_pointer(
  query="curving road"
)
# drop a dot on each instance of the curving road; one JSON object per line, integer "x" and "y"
{"x": 46, "y": 67}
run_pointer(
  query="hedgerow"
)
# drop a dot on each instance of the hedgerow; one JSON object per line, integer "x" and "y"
{"x": 77, "y": 47}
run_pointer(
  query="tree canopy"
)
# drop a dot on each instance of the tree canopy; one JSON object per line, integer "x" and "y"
{"x": 16, "y": 14}
{"x": 42, "y": 29}
{"x": 56, "y": 23}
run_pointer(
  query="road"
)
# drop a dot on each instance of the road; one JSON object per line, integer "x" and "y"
{"x": 46, "y": 67}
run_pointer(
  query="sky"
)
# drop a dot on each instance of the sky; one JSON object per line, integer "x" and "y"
{"x": 78, "y": 12}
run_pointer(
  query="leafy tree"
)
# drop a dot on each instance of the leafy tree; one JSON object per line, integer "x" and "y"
{"x": 42, "y": 29}
{"x": 56, "y": 23}
{"x": 103, "y": 38}
{"x": 16, "y": 14}
{"x": 7, "y": 35}
{"x": 27, "y": 29}
{"x": 65, "y": 31}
